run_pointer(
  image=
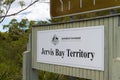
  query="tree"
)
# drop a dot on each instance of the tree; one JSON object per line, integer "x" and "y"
{"x": 12, "y": 44}
{"x": 16, "y": 29}
{"x": 5, "y": 6}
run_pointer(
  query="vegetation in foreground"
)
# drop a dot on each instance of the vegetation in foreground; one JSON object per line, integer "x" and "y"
{"x": 12, "y": 44}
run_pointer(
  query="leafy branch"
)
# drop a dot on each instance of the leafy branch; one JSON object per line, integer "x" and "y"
{"x": 13, "y": 14}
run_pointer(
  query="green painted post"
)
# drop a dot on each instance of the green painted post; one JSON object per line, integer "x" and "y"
{"x": 28, "y": 72}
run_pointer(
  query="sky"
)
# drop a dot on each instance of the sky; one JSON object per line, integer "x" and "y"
{"x": 38, "y": 11}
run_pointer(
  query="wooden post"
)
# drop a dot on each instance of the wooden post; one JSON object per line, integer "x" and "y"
{"x": 28, "y": 72}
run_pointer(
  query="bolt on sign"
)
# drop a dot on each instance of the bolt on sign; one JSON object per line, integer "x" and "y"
{"x": 61, "y": 8}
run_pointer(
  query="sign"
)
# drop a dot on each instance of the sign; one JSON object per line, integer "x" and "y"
{"x": 61, "y": 8}
{"x": 74, "y": 47}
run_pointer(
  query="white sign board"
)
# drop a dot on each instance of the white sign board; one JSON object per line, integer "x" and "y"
{"x": 74, "y": 47}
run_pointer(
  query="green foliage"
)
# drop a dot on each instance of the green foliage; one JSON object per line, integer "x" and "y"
{"x": 10, "y": 59}
{"x": 17, "y": 29}
{"x": 22, "y": 3}
{"x": 8, "y": 2}
{"x": 12, "y": 44}
{"x": 51, "y": 76}
{"x": 11, "y": 50}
